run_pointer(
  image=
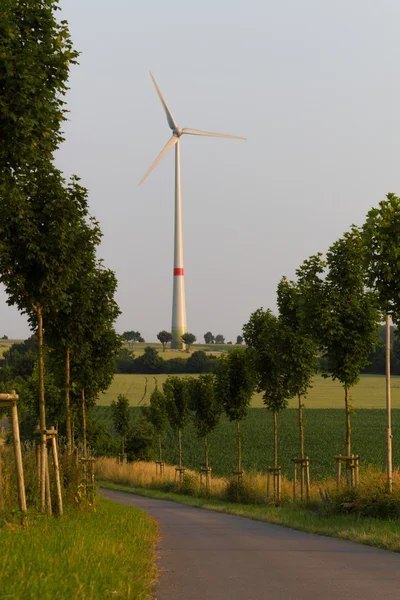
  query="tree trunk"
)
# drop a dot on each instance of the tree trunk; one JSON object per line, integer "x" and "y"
{"x": 239, "y": 447}
{"x": 123, "y": 446}
{"x": 160, "y": 448}
{"x": 389, "y": 464}
{"x": 42, "y": 412}
{"x": 180, "y": 447}
{"x": 206, "y": 451}
{"x": 301, "y": 427}
{"x": 67, "y": 401}
{"x": 84, "y": 422}
{"x": 275, "y": 439}
{"x": 348, "y": 423}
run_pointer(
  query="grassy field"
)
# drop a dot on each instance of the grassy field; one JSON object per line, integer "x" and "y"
{"x": 104, "y": 553}
{"x": 325, "y": 393}
{"x": 324, "y": 432}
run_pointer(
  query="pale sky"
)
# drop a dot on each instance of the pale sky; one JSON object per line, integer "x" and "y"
{"x": 314, "y": 87}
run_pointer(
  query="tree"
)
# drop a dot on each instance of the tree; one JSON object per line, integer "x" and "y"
{"x": 301, "y": 352}
{"x": 347, "y": 319}
{"x": 196, "y": 363}
{"x": 176, "y": 391}
{"x": 234, "y": 387}
{"x": 269, "y": 343}
{"x": 132, "y": 336}
{"x": 219, "y": 339}
{"x": 239, "y": 340}
{"x": 382, "y": 247}
{"x": 150, "y": 361}
{"x": 121, "y": 418}
{"x": 188, "y": 339}
{"x": 206, "y": 408}
{"x": 165, "y": 337}
{"x": 67, "y": 329}
{"x": 35, "y": 55}
{"x": 209, "y": 338}
{"x": 158, "y": 416}
{"x": 4, "y": 337}
{"x": 41, "y": 233}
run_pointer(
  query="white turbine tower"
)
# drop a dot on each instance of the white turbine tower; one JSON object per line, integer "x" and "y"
{"x": 178, "y": 300}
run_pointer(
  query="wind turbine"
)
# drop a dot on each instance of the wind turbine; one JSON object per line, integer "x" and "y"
{"x": 178, "y": 300}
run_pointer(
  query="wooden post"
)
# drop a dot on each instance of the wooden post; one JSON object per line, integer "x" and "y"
{"x": 48, "y": 489}
{"x": 389, "y": 461}
{"x": 279, "y": 484}
{"x": 38, "y": 458}
{"x": 338, "y": 471}
{"x": 294, "y": 481}
{"x": 308, "y": 479}
{"x": 57, "y": 472}
{"x": 1, "y": 485}
{"x": 18, "y": 456}
{"x": 357, "y": 470}
{"x": 67, "y": 400}
{"x": 42, "y": 409}
{"x": 84, "y": 422}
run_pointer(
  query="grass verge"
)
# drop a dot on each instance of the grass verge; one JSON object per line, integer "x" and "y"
{"x": 105, "y": 553}
{"x": 383, "y": 534}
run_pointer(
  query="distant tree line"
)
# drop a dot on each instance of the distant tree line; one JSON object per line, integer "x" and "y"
{"x": 150, "y": 362}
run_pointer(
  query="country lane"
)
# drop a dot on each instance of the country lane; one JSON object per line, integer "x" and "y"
{"x": 205, "y": 555}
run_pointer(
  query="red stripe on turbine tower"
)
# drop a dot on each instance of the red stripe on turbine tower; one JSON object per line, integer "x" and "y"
{"x": 178, "y": 271}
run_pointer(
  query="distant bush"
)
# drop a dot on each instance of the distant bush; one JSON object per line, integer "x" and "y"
{"x": 152, "y": 363}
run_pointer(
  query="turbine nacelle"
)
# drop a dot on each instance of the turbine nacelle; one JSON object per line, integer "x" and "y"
{"x": 177, "y": 132}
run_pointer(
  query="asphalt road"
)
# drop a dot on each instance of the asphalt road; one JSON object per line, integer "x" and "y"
{"x": 205, "y": 555}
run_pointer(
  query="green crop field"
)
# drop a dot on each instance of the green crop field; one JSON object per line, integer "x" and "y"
{"x": 325, "y": 393}
{"x": 324, "y": 435}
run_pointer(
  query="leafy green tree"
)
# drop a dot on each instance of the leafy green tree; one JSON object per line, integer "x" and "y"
{"x": 269, "y": 343}
{"x": 132, "y": 336}
{"x": 234, "y": 386}
{"x": 206, "y": 408}
{"x": 158, "y": 416}
{"x": 209, "y": 338}
{"x": 121, "y": 418}
{"x": 165, "y": 337}
{"x": 41, "y": 234}
{"x": 382, "y": 249}
{"x": 188, "y": 339}
{"x": 177, "y": 396}
{"x": 346, "y": 317}
{"x": 93, "y": 359}
{"x": 196, "y": 363}
{"x": 219, "y": 339}
{"x": 302, "y": 351}
{"x": 35, "y": 55}
{"x": 239, "y": 340}
{"x": 149, "y": 362}
{"x": 66, "y": 329}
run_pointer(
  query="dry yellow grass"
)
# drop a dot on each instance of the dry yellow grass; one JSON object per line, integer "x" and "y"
{"x": 143, "y": 474}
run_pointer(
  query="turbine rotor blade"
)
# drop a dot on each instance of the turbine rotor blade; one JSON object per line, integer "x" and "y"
{"x": 211, "y": 134}
{"x": 170, "y": 144}
{"x": 170, "y": 118}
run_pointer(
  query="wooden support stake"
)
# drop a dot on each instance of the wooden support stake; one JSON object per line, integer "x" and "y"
{"x": 47, "y": 483}
{"x": 338, "y": 472}
{"x": 18, "y": 458}
{"x": 1, "y": 483}
{"x": 57, "y": 474}
{"x": 308, "y": 479}
{"x": 294, "y": 481}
